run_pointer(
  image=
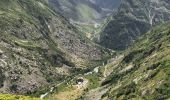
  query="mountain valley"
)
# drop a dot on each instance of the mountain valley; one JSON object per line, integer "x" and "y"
{"x": 84, "y": 50}
{"x": 86, "y": 15}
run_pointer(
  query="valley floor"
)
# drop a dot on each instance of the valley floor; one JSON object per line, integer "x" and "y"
{"x": 90, "y": 88}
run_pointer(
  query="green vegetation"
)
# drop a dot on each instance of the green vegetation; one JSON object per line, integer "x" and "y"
{"x": 16, "y": 97}
{"x": 41, "y": 48}
{"x": 144, "y": 71}
{"x": 131, "y": 21}
{"x": 93, "y": 81}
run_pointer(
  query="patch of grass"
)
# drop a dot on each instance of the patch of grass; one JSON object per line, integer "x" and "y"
{"x": 93, "y": 81}
{"x": 16, "y": 97}
{"x": 26, "y": 44}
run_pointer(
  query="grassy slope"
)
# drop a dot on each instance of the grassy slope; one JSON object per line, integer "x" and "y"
{"x": 16, "y": 97}
{"x": 131, "y": 21}
{"x": 144, "y": 71}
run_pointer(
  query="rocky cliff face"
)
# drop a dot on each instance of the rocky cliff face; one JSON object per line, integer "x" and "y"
{"x": 39, "y": 47}
{"x": 133, "y": 18}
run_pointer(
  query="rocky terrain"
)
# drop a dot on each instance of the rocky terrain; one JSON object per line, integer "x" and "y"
{"x": 133, "y": 18}
{"x": 143, "y": 73}
{"x": 45, "y": 55}
{"x": 39, "y": 47}
{"x": 87, "y": 15}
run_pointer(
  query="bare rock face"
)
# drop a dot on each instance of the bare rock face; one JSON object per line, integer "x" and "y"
{"x": 134, "y": 18}
{"x": 1, "y": 52}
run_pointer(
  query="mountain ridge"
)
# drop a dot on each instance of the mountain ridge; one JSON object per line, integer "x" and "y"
{"x": 133, "y": 19}
{"x": 143, "y": 71}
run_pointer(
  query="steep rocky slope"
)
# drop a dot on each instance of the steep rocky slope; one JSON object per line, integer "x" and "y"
{"x": 143, "y": 73}
{"x": 140, "y": 73}
{"x": 133, "y": 18}
{"x": 42, "y": 54}
{"x": 38, "y": 47}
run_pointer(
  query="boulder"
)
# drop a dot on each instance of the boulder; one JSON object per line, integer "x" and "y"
{"x": 1, "y": 52}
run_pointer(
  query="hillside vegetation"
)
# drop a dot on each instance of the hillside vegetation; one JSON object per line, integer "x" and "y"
{"x": 144, "y": 71}
{"x": 44, "y": 55}
{"x": 16, "y": 97}
{"x": 39, "y": 47}
{"x": 133, "y": 19}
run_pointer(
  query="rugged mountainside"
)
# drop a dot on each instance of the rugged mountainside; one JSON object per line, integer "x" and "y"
{"x": 133, "y": 18}
{"x": 87, "y": 15}
{"x": 140, "y": 73}
{"x": 143, "y": 72}
{"x": 86, "y": 11}
{"x": 39, "y": 47}
{"x": 42, "y": 54}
